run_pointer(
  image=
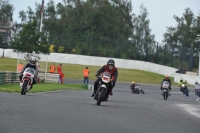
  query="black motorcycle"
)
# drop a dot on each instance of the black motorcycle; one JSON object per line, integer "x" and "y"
{"x": 165, "y": 90}
{"x": 184, "y": 89}
{"x": 101, "y": 93}
{"x": 137, "y": 90}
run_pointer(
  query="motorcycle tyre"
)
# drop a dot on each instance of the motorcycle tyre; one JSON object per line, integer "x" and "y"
{"x": 23, "y": 91}
{"x": 99, "y": 100}
{"x": 165, "y": 95}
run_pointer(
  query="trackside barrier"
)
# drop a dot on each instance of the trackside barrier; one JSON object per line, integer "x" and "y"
{"x": 99, "y": 61}
{"x": 50, "y": 77}
{"x": 9, "y": 77}
{"x": 90, "y": 87}
{"x": 13, "y": 77}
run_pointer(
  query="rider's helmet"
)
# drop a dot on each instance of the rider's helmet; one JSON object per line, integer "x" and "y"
{"x": 196, "y": 82}
{"x": 181, "y": 80}
{"x": 32, "y": 61}
{"x": 167, "y": 76}
{"x": 133, "y": 82}
{"x": 111, "y": 64}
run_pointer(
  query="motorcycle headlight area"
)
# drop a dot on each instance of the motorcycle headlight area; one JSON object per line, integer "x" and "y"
{"x": 182, "y": 85}
{"x": 105, "y": 79}
{"x": 26, "y": 74}
{"x": 165, "y": 86}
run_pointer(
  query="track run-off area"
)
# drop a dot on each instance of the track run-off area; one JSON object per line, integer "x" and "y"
{"x": 74, "y": 111}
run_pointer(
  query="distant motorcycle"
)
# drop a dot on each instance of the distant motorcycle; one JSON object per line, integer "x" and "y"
{"x": 165, "y": 90}
{"x": 100, "y": 95}
{"x": 197, "y": 90}
{"x": 137, "y": 90}
{"x": 184, "y": 89}
{"x": 27, "y": 80}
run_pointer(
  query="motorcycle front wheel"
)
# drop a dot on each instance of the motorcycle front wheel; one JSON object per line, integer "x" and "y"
{"x": 165, "y": 95}
{"x": 101, "y": 96}
{"x": 24, "y": 86}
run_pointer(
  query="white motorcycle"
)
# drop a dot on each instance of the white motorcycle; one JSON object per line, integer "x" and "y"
{"x": 197, "y": 90}
{"x": 27, "y": 80}
{"x": 165, "y": 89}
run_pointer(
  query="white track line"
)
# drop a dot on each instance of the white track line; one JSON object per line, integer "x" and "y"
{"x": 194, "y": 110}
{"x": 151, "y": 90}
{"x": 48, "y": 91}
{"x": 198, "y": 100}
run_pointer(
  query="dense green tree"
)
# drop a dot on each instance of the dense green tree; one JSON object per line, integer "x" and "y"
{"x": 181, "y": 39}
{"x": 6, "y": 12}
{"x": 28, "y": 40}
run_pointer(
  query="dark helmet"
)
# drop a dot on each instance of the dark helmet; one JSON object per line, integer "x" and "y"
{"x": 111, "y": 62}
{"x": 181, "y": 80}
{"x": 196, "y": 82}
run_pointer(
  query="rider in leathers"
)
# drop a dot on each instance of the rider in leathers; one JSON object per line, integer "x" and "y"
{"x": 166, "y": 79}
{"x": 110, "y": 67}
{"x": 31, "y": 64}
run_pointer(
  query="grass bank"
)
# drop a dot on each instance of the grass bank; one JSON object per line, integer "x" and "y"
{"x": 76, "y": 72}
{"x": 43, "y": 87}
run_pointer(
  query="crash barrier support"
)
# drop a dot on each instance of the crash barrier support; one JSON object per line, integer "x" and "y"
{"x": 13, "y": 77}
{"x": 9, "y": 77}
{"x": 50, "y": 77}
{"x": 90, "y": 87}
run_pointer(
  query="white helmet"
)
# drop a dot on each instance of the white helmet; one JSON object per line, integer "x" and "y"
{"x": 32, "y": 61}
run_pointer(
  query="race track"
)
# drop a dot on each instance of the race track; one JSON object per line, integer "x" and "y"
{"x": 68, "y": 111}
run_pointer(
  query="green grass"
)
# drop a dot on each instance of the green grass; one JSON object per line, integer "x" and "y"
{"x": 43, "y": 87}
{"x": 76, "y": 72}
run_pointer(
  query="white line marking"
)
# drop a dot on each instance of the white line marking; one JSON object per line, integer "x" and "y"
{"x": 192, "y": 109}
{"x": 47, "y": 91}
{"x": 150, "y": 90}
{"x": 198, "y": 100}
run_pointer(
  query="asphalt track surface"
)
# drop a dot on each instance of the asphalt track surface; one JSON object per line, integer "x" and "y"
{"x": 69, "y": 111}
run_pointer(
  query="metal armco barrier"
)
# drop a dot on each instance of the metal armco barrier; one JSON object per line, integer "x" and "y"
{"x": 13, "y": 77}
{"x": 9, "y": 77}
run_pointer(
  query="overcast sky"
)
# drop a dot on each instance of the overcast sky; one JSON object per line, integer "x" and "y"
{"x": 160, "y": 11}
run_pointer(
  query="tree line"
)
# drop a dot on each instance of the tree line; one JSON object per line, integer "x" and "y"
{"x": 106, "y": 28}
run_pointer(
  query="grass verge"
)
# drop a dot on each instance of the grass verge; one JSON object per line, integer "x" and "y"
{"x": 43, "y": 87}
{"x": 76, "y": 72}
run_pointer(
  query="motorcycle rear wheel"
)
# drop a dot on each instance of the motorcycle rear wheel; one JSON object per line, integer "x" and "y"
{"x": 142, "y": 91}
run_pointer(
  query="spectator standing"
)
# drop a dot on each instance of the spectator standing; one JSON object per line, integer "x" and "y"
{"x": 86, "y": 75}
{"x": 19, "y": 67}
{"x": 59, "y": 69}
{"x": 52, "y": 68}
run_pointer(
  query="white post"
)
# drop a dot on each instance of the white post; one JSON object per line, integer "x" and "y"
{"x": 17, "y": 62}
{"x": 41, "y": 21}
{"x": 198, "y": 35}
{"x": 46, "y": 70}
{"x": 199, "y": 65}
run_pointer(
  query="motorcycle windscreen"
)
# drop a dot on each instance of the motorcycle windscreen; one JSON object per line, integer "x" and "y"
{"x": 165, "y": 84}
{"x": 106, "y": 77}
{"x": 137, "y": 87}
{"x": 197, "y": 87}
{"x": 30, "y": 70}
